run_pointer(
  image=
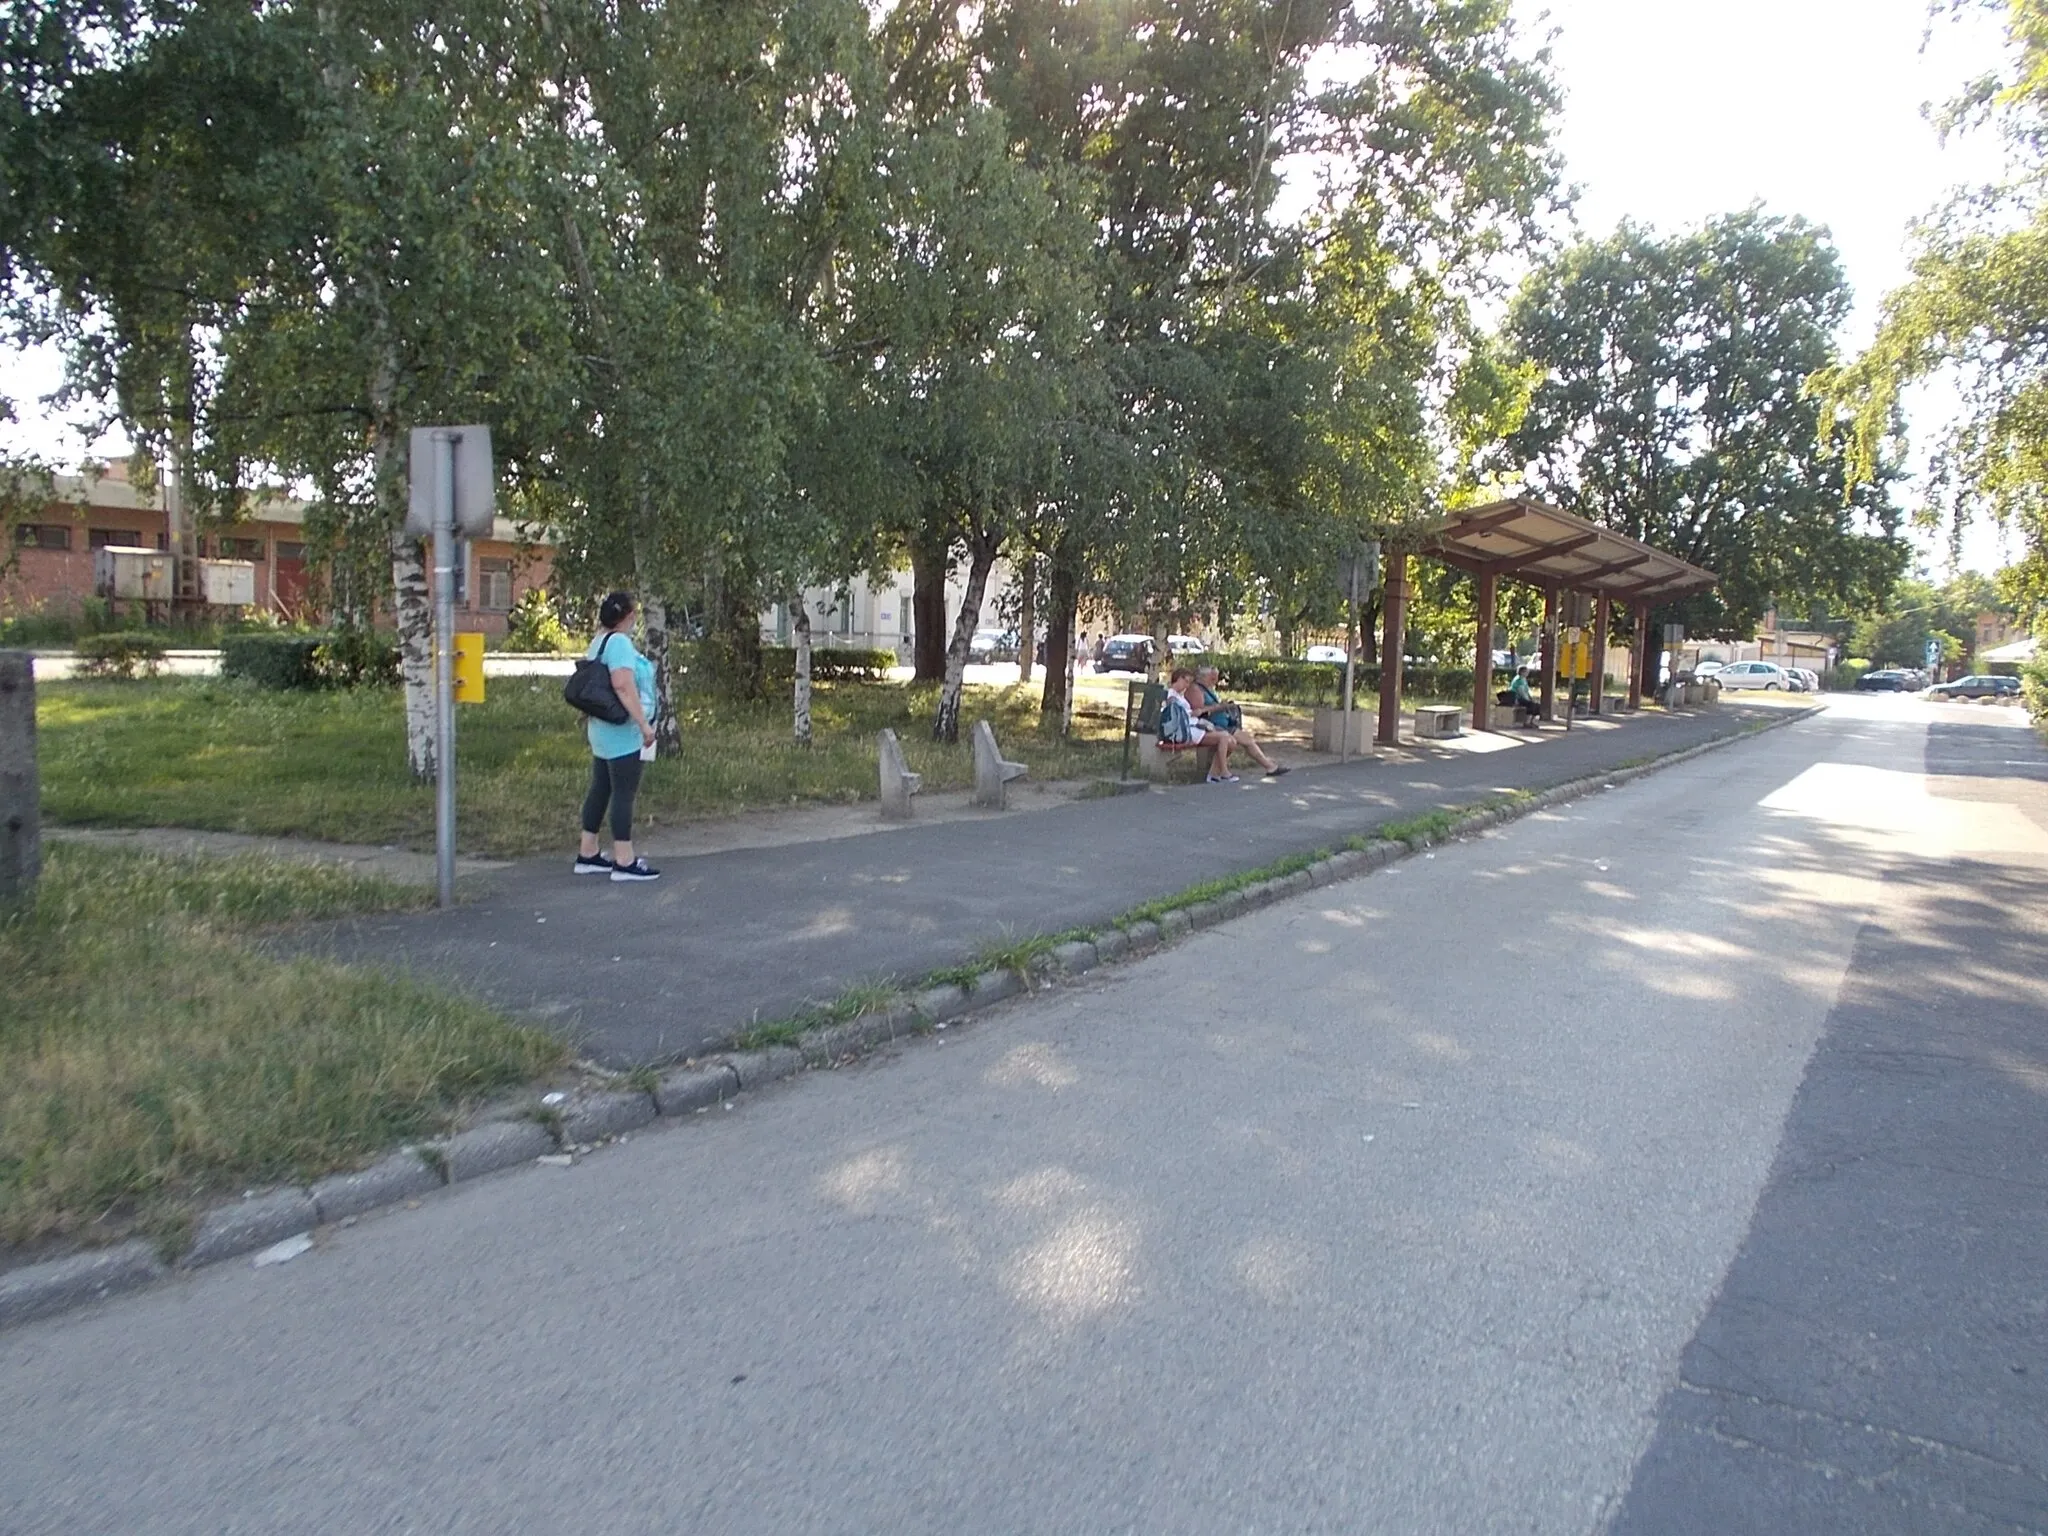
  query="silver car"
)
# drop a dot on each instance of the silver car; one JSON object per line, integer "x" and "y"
{"x": 1767, "y": 675}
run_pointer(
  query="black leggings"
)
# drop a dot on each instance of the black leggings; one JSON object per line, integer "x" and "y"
{"x": 616, "y": 779}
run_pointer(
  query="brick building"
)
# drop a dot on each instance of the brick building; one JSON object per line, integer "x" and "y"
{"x": 53, "y": 565}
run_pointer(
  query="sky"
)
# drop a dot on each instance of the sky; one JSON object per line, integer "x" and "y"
{"x": 1677, "y": 110}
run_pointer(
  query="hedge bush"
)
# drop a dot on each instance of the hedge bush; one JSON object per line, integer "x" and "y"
{"x": 829, "y": 664}
{"x": 2034, "y": 688}
{"x": 356, "y": 658}
{"x": 1320, "y": 682}
{"x": 272, "y": 661}
{"x": 120, "y": 655}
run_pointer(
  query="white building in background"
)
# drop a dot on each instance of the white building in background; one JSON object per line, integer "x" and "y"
{"x": 864, "y": 616}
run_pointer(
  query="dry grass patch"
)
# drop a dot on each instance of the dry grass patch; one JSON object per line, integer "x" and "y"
{"x": 150, "y": 1056}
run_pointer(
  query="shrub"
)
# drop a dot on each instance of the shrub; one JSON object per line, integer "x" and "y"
{"x": 535, "y": 625}
{"x": 1319, "y": 682}
{"x": 356, "y": 658}
{"x": 1843, "y": 674}
{"x": 829, "y": 664}
{"x": 2034, "y": 688}
{"x": 120, "y": 655}
{"x": 272, "y": 661}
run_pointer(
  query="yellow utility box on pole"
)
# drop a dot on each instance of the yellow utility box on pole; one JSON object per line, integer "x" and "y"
{"x": 1575, "y": 656}
{"x": 469, "y": 668}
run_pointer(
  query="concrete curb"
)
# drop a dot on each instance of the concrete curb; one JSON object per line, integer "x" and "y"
{"x": 254, "y": 1223}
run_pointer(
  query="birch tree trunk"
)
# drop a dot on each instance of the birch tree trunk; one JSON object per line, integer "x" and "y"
{"x": 413, "y": 607}
{"x": 981, "y": 558}
{"x": 1162, "y": 655}
{"x": 800, "y": 690}
{"x": 668, "y": 732}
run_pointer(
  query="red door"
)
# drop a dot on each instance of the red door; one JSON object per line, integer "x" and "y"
{"x": 289, "y": 579}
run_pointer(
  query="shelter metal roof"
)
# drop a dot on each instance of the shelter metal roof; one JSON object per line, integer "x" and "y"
{"x": 1549, "y": 547}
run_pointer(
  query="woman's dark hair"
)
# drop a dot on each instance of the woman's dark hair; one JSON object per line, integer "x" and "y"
{"x": 616, "y": 607}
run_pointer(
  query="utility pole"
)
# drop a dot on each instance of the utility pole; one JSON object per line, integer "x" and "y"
{"x": 450, "y": 491}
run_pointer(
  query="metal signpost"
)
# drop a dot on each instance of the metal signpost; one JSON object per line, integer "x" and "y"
{"x": 450, "y": 490}
{"x": 1356, "y": 572}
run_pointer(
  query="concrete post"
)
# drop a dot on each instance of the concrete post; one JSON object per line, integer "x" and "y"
{"x": 1488, "y": 587}
{"x": 21, "y": 827}
{"x": 1550, "y": 653}
{"x": 1600, "y": 618}
{"x": 1636, "y": 662}
{"x": 1393, "y": 644}
{"x": 898, "y": 783}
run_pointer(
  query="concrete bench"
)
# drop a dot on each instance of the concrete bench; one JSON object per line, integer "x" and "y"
{"x": 898, "y": 782}
{"x": 1437, "y": 722}
{"x": 992, "y": 773}
{"x": 1156, "y": 758}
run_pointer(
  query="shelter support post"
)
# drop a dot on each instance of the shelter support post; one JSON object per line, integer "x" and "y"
{"x": 1636, "y": 656}
{"x": 1393, "y": 643}
{"x": 1488, "y": 598}
{"x": 1601, "y": 611}
{"x": 1550, "y": 653}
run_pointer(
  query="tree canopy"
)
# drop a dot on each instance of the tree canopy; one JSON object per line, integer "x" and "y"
{"x": 1674, "y": 406}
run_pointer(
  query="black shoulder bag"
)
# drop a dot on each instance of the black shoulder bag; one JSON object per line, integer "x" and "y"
{"x": 590, "y": 690}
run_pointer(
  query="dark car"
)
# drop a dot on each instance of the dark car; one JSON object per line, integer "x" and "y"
{"x": 1125, "y": 653}
{"x": 1887, "y": 680}
{"x": 1984, "y": 685}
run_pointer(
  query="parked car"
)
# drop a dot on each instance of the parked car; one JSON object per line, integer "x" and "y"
{"x": 1125, "y": 653}
{"x": 1798, "y": 679}
{"x": 1767, "y": 675}
{"x": 1886, "y": 680}
{"x": 1333, "y": 654}
{"x": 1981, "y": 685}
{"x": 993, "y": 645}
{"x": 1707, "y": 669}
{"x": 1812, "y": 678}
{"x": 1185, "y": 645}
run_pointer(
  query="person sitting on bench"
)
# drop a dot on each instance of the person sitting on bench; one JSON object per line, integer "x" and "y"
{"x": 1528, "y": 708}
{"x": 1207, "y": 705}
{"x": 1180, "y": 731}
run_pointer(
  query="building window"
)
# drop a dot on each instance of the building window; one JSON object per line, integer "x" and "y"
{"x": 289, "y": 551}
{"x": 494, "y": 585}
{"x": 42, "y": 536}
{"x": 241, "y": 549}
{"x": 842, "y": 611}
{"x": 111, "y": 538}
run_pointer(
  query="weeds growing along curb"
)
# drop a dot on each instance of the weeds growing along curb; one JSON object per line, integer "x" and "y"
{"x": 858, "y": 1021}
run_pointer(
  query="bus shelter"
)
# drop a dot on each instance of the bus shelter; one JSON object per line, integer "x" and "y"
{"x": 1561, "y": 555}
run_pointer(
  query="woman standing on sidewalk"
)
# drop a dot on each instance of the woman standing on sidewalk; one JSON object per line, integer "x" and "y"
{"x": 618, "y": 752}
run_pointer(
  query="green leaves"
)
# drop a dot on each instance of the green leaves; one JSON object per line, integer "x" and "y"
{"x": 1674, "y": 407}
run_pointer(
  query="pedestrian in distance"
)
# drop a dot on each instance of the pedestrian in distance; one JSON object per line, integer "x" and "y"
{"x": 618, "y": 753}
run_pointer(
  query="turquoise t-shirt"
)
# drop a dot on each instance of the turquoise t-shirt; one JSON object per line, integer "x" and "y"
{"x": 607, "y": 740}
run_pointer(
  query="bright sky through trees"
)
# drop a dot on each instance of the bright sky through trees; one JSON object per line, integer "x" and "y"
{"x": 1676, "y": 110}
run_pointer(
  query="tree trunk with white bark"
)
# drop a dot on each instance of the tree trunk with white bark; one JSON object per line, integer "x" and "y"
{"x": 800, "y": 690}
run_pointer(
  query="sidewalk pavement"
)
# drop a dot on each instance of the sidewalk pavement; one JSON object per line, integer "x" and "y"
{"x": 643, "y": 974}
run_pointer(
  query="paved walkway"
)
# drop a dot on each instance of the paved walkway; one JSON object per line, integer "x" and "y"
{"x": 639, "y": 974}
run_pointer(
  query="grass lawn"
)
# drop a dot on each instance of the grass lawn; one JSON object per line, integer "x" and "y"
{"x": 150, "y": 1055}
{"x": 197, "y": 752}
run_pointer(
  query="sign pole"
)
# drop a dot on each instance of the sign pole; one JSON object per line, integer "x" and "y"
{"x": 444, "y": 665}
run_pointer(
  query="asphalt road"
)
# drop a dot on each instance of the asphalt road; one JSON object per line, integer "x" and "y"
{"x": 1430, "y": 1202}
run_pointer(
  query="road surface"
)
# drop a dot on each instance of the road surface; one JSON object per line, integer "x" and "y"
{"x": 1668, "y": 1162}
